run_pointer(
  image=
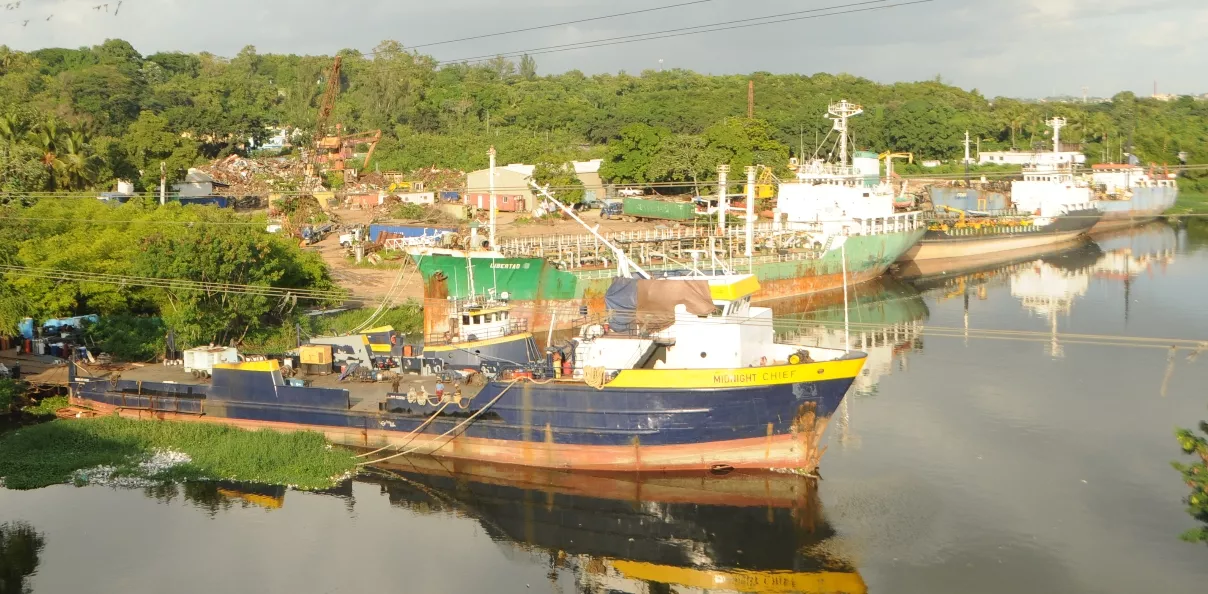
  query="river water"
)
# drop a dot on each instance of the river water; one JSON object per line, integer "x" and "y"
{"x": 962, "y": 462}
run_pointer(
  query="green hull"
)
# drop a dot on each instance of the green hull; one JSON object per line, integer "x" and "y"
{"x": 538, "y": 280}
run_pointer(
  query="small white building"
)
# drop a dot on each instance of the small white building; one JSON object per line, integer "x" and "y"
{"x": 197, "y": 183}
{"x": 1030, "y": 158}
{"x": 425, "y": 198}
{"x": 588, "y": 172}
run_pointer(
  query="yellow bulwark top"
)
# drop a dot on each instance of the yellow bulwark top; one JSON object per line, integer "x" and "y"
{"x": 733, "y": 287}
{"x": 744, "y": 377}
{"x": 269, "y": 365}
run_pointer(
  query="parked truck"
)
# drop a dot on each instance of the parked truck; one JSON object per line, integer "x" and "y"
{"x": 639, "y": 209}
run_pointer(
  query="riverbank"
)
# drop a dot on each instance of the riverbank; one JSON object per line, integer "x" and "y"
{"x": 79, "y": 450}
{"x": 1190, "y": 203}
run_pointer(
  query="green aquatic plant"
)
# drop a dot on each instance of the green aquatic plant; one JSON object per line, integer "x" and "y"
{"x": 10, "y": 390}
{"x": 1195, "y": 475}
{"x": 72, "y": 450}
{"x": 46, "y": 407}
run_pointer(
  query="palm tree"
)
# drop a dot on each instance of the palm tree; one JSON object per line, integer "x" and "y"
{"x": 9, "y": 128}
{"x": 45, "y": 137}
{"x": 73, "y": 165}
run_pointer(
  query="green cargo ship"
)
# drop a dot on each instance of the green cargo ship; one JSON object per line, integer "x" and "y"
{"x": 826, "y": 217}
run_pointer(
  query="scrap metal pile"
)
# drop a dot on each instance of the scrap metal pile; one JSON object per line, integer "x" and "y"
{"x": 246, "y": 176}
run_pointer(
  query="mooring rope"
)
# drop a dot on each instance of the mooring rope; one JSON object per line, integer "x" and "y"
{"x": 446, "y": 433}
{"x": 413, "y": 431}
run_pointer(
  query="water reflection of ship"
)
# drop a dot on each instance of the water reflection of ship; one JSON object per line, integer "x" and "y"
{"x": 885, "y": 318}
{"x": 215, "y": 496}
{"x": 740, "y": 532}
{"x": 1049, "y": 292}
{"x": 1049, "y": 288}
{"x": 1147, "y": 249}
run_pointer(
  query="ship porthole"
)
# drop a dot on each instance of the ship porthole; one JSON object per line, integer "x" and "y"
{"x": 820, "y": 371}
{"x": 703, "y": 354}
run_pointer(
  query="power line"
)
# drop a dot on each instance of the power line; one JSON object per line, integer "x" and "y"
{"x": 574, "y": 22}
{"x": 669, "y": 33}
{"x": 174, "y": 284}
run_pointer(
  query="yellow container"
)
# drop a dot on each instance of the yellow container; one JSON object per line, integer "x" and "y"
{"x": 315, "y": 354}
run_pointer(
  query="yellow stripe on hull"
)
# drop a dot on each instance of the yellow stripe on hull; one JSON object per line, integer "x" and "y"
{"x": 831, "y": 582}
{"x": 477, "y": 343}
{"x": 734, "y": 378}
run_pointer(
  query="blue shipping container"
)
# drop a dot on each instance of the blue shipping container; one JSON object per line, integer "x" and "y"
{"x": 406, "y": 230}
{"x": 219, "y": 201}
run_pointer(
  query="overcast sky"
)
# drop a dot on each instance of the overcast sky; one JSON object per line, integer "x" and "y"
{"x": 1018, "y": 48}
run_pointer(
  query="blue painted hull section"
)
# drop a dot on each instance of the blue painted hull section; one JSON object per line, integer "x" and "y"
{"x": 967, "y": 198}
{"x": 1144, "y": 202}
{"x": 563, "y": 413}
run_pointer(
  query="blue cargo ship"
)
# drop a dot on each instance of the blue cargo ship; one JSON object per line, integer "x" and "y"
{"x": 684, "y": 374}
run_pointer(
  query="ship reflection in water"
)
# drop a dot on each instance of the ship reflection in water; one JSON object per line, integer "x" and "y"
{"x": 741, "y": 532}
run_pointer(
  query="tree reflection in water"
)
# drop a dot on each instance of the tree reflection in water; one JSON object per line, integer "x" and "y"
{"x": 20, "y": 546}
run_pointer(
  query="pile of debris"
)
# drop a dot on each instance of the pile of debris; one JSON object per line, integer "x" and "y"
{"x": 440, "y": 179}
{"x": 247, "y": 176}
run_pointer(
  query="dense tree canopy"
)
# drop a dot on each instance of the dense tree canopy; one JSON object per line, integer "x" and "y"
{"x": 140, "y": 239}
{"x": 73, "y": 119}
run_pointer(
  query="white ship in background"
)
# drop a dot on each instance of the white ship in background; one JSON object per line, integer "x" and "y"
{"x": 1129, "y": 194}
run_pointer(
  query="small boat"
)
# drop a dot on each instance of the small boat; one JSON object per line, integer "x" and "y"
{"x": 682, "y": 374}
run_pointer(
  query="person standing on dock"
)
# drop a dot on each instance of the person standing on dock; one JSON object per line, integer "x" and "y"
{"x": 394, "y": 385}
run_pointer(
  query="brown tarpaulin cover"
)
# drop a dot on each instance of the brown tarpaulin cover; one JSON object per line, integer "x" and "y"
{"x": 662, "y": 295}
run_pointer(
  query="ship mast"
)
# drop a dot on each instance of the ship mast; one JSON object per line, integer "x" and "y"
{"x": 840, "y": 112}
{"x": 1057, "y": 124}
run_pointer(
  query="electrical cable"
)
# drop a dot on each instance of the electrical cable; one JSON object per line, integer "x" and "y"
{"x": 574, "y": 22}
{"x": 693, "y": 30}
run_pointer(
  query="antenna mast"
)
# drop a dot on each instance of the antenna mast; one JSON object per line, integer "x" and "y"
{"x": 840, "y": 112}
{"x": 1057, "y": 124}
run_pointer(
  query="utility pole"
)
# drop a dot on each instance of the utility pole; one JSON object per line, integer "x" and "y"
{"x": 750, "y": 99}
{"x": 491, "y": 233}
{"x": 750, "y": 210}
{"x": 163, "y": 182}
{"x": 966, "y": 158}
{"x": 722, "y": 206}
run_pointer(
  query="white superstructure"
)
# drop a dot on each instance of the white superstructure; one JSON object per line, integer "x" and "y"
{"x": 1051, "y": 190}
{"x": 833, "y": 196}
{"x": 1120, "y": 180}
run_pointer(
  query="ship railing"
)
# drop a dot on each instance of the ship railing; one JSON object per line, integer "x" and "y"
{"x": 896, "y": 223}
{"x": 513, "y": 326}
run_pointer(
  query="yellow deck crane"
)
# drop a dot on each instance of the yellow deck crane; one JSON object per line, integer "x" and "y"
{"x": 765, "y": 185}
{"x": 889, "y": 156}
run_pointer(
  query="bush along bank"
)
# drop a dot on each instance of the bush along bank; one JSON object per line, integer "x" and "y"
{"x": 124, "y": 452}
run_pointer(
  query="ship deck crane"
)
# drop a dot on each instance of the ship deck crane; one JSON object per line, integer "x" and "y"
{"x": 889, "y": 156}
